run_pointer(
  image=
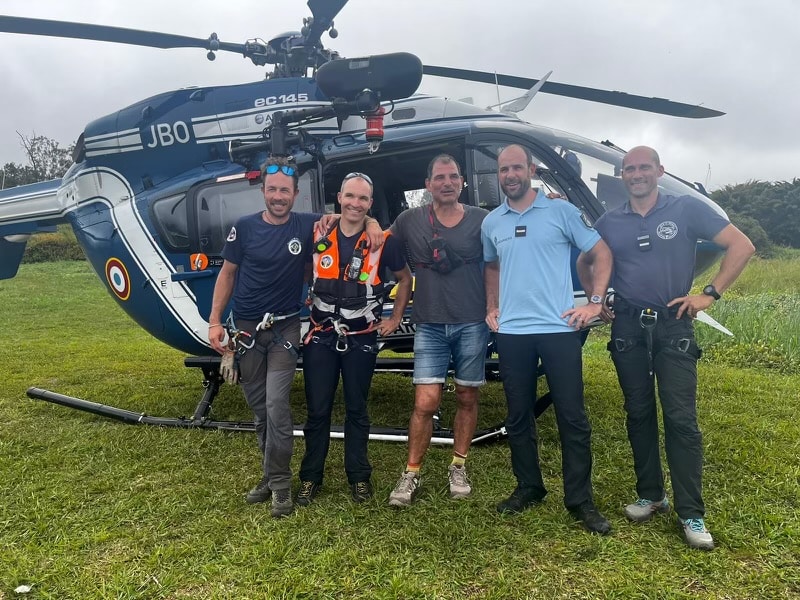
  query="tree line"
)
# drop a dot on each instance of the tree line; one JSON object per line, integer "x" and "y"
{"x": 768, "y": 212}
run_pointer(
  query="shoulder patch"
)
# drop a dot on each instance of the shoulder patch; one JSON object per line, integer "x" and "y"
{"x": 586, "y": 221}
{"x": 232, "y": 235}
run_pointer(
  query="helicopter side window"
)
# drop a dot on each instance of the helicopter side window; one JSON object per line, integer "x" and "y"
{"x": 488, "y": 191}
{"x": 169, "y": 215}
{"x": 218, "y": 206}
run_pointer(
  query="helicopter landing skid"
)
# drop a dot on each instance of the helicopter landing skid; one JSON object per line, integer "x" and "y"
{"x": 212, "y": 380}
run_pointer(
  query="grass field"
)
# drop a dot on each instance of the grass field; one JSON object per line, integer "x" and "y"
{"x": 91, "y": 508}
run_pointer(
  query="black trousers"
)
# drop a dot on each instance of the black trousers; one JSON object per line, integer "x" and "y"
{"x": 675, "y": 356}
{"x": 322, "y": 365}
{"x": 561, "y": 358}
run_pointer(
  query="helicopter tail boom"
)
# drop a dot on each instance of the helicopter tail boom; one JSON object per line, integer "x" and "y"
{"x": 25, "y": 210}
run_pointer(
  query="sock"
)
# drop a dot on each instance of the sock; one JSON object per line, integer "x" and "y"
{"x": 412, "y": 468}
{"x": 458, "y": 459}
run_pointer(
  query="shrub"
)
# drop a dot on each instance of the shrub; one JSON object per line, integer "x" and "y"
{"x": 47, "y": 247}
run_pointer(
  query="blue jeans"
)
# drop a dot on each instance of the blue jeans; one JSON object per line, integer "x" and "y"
{"x": 435, "y": 343}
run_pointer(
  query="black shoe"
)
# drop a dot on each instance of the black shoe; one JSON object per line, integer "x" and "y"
{"x": 519, "y": 500}
{"x": 591, "y": 518}
{"x": 307, "y": 492}
{"x": 361, "y": 491}
{"x": 260, "y": 493}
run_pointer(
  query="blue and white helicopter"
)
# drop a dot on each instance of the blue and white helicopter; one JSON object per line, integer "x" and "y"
{"x": 156, "y": 186}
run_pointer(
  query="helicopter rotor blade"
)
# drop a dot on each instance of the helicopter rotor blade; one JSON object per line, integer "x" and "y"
{"x": 106, "y": 33}
{"x": 654, "y": 105}
{"x": 323, "y": 11}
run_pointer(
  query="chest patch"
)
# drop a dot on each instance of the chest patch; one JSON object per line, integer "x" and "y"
{"x": 326, "y": 261}
{"x": 667, "y": 230}
{"x": 295, "y": 246}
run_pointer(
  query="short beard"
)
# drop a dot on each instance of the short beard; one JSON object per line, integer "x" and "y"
{"x": 523, "y": 189}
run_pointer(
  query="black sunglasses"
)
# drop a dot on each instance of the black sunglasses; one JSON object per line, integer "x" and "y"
{"x": 355, "y": 174}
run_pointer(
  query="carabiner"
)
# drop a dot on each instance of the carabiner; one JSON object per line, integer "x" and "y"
{"x": 266, "y": 322}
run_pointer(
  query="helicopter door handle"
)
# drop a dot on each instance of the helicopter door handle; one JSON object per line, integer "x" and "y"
{"x": 187, "y": 275}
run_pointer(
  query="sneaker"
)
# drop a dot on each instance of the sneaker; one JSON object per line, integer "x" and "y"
{"x": 591, "y": 518}
{"x": 642, "y": 510}
{"x": 361, "y": 491}
{"x": 307, "y": 492}
{"x": 460, "y": 486}
{"x": 405, "y": 490}
{"x": 260, "y": 493}
{"x": 696, "y": 534}
{"x": 519, "y": 500}
{"x": 281, "y": 503}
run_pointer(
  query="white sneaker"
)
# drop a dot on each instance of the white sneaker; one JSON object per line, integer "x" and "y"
{"x": 460, "y": 486}
{"x": 642, "y": 510}
{"x": 405, "y": 490}
{"x": 696, "y": 534}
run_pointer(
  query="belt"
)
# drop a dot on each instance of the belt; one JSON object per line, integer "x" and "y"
{"x": 623, "y": 307}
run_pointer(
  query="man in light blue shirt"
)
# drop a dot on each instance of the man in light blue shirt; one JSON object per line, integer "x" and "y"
{"x": 527, "y": 245}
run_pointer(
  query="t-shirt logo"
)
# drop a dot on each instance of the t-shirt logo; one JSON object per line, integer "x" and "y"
{"x": 667, "y": 230}
{"x": 232, "y": 235}
{"x": 326, "y": 261}
{"x": 295, "y": 246}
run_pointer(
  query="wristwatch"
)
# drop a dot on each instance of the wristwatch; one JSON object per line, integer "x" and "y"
{"x": 710, "y": 290}
{"x": 596, "y": 299}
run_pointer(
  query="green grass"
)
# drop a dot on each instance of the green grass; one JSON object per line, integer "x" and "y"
{"x": 91, "y": 508}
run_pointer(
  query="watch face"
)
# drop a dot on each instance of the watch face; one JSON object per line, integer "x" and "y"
{"x": 596, "y": 299}
{"x": 710, "y": 290}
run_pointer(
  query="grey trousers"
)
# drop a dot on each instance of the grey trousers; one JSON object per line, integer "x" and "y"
{"x": 266, "y": 375}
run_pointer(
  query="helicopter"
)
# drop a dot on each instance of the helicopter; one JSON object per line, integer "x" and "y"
{"x": 156, "y": 186}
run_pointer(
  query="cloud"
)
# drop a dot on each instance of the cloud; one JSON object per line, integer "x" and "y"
{"x": 730, "y": 55}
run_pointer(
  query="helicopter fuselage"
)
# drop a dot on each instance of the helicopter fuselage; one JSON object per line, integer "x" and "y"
{"x": 154, "y": 189}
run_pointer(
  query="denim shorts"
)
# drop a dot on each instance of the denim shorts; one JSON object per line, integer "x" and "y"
{"x": 435, "y": 344}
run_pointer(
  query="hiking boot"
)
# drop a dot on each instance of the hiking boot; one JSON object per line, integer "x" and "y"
{"x": 591, "y": 518}
{"x": 361, "y": 491}
{"x": 307, "y": 492}
{"x": 281, "y": 503}
{"x": 642, "y": 510}
{"x": 519, "y": 500}
{"x": 405, "y": 490}
{"x": 460, "y": 486}
{"x": 696, "y": 534}
{"x": 260, "y": 493}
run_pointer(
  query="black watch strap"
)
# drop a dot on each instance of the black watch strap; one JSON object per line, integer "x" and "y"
{"x": 710, "y": 290}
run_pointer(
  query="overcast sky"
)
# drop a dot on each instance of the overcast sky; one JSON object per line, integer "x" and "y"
{"x": 736, "y": 56}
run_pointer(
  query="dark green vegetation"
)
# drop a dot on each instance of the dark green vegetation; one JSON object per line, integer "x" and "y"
{"x": 768, "y": 212}
{"x": 91, "y": 508}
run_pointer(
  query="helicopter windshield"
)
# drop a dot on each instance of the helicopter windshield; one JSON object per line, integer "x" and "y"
{"x": 600, "y": 166}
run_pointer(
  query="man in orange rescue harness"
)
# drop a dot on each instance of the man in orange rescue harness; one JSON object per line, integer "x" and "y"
{"x": 347, "y": 302}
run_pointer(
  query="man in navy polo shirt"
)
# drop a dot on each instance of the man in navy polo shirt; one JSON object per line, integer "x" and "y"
{"x": 653, "y": 238}
{"x": 527, "y": 244}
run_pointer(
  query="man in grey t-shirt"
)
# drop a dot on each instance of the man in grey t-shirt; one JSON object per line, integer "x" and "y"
{"x": 444, "y": 248}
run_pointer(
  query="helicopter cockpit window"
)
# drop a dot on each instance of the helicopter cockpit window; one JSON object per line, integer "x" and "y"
{"x": 170, "y": 218}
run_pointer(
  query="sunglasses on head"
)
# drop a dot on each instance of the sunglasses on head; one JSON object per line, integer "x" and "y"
{"x": 354, "y": 174}
{"x": 285, "y": 169}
